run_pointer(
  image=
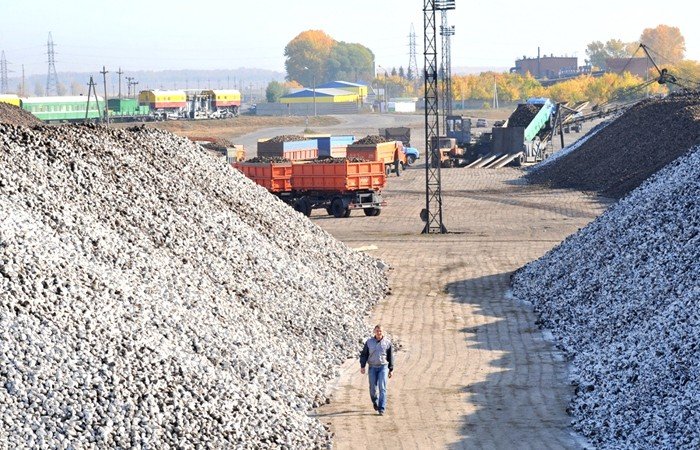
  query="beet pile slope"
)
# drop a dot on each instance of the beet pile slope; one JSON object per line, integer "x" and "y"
{"x": 15, "y": 115}
{"x": 631, "y": 148}
{"x": 622, "y": 297}
{"x": 152, "y": 296}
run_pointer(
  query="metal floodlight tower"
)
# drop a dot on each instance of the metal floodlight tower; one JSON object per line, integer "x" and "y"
{"x": 432, "y": 214}
{"x": 52, "y": 77}
{"x": 446, "y": 32}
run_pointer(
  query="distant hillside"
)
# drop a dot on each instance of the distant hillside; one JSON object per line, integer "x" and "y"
{"x": 249, "y": 81}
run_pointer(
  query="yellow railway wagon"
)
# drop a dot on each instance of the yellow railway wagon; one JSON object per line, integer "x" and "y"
{"x": 12, "y": 99}
{"x": 158, "y": 99}
{"x": 223, "y": 98}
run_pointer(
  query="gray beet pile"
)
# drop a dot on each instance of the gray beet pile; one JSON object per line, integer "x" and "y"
{"x": 151, "y": 296}
{"x": 622, "y": 297}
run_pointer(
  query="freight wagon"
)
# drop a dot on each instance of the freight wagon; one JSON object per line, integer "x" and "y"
{"x": 336, "y": 186}
{"x": 164, "y": 104}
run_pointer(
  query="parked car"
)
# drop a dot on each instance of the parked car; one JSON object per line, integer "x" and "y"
{"x": 412, "y": 154}
{"x": 481, "y": 123}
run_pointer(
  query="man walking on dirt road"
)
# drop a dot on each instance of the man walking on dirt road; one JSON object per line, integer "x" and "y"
{"x": 377, "y": 353}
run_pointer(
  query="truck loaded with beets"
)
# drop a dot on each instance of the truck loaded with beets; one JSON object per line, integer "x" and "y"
{"x": 337, "y": 185}
{"x": 375, "y": 148}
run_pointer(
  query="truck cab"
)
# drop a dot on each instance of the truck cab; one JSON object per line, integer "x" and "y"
{"x": 459, "y": 128}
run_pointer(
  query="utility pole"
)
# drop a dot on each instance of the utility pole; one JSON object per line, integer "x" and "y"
{"x": 120, "y": 82}
{"x": 315, "y": 95}
{"x": 495, "y": 93}
{"x": 104, "y": 80}
{"x": 52, "y": 77}
{"x": 134, "y": 83}
{"x": 128, "y": 86}
{"x": 92, "y": 89}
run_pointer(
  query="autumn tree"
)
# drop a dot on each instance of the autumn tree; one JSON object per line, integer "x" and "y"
{"x": 353, "y": 62}
{"x": 666, "y": 41}
{"x": 314, "y": 54}
{"x": 597, "y": 52}
{"x": 307, "y": 56}
{"x": 274, "y": 91}
{"x": 687, "y": 73}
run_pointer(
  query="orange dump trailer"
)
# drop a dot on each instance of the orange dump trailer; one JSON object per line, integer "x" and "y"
{"x": 390, "y": 153}
{"x": 344, "y": 176}
{"x": 336, "y": 186}
{"x": 275, "y": 177}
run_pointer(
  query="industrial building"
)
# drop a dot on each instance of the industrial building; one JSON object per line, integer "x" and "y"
{"x": 320, "y": 95}
{"x": 635, "y": 66}
{"x": 546, "y": 66}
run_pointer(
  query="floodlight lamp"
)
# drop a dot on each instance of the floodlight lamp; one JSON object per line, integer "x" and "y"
{"x": 444, "y": 5}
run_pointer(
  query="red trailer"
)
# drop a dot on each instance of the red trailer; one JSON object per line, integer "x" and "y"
{"x": 338, "y": 186}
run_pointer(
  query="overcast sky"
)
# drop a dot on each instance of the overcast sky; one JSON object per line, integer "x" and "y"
{"x": 210, "y": 34}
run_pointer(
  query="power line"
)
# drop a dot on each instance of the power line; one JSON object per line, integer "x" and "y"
{"x": 52, "y": 77}
{"x": 4, "y": 85}
{"x": 412, "y": 61}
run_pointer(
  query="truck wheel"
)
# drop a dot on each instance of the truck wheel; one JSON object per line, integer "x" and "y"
{"x": 377, "y": 211}
{"x": 387, "y": 169}
{"x": 303, "y": 206}
{"x": 410, "y": 159}
{"x": 372, "y": 212}
{"x": 338, "y": 208}
{"x": 347, "y": 212}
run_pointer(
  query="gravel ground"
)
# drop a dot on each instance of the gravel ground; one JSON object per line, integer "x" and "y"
{"x": 621, "y": 297}
{"x": 153, "y": 297}
{"x": 634, "y": 146}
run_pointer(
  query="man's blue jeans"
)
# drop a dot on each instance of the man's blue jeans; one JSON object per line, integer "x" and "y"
{"x": 377, "y": 382}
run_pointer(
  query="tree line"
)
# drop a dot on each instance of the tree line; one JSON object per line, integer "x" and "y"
{"x": 313, "y": 58}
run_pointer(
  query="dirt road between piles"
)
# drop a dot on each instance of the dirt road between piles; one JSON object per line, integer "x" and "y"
{"x": 473, "y": 371}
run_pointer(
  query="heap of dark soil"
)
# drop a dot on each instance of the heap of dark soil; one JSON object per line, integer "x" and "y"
{"x": 371, "y": 139}
{"x": 287, "y": 138}
{"x": 267, "y": 159}
{"x": 335, "y": 160}
{"x": 622, "y": 155}
{"x": 14, "y": 115}
{"x": 523, "y": 115}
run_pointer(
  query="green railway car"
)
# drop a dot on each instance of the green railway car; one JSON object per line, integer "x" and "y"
{"x": 127, "y": 107}
{"x": 63, "y": 108}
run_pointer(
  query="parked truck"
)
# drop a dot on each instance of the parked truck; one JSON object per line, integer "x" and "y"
{"x": 402, "y": 134}
{"x": 338, "y": 186}
{"x": 390, "y": 153}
